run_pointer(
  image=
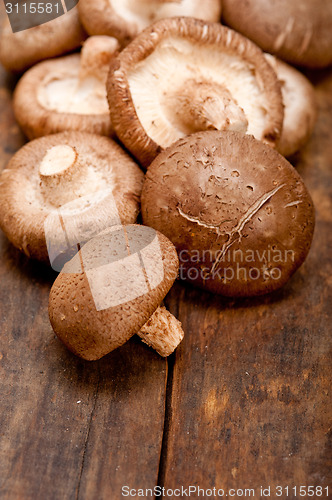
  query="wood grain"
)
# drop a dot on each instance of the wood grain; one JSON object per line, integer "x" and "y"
{"x": 250, "y": 399}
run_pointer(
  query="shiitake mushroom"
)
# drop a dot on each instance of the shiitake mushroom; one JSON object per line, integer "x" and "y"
{"x": 237, "y": 211}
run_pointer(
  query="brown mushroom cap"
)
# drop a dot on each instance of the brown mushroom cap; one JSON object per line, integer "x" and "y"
{"x": 124, "y": 19}
{"x": 297, "y": 31}
{"x": 19, "y": 51}
{"x": 238, "y": 213}
{"x": 89, "y": 309}
{"x": 300, "y": 112}
{"x": 60, "y": 190}
{"x": 183, "y": 75}
{"x": 67, "y": 93}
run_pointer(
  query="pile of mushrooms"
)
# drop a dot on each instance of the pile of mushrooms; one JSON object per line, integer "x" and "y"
{"x": 206, "y": 113}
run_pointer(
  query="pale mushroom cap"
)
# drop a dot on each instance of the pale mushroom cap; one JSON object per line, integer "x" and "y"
{"x": 124, "y": 19}
{"x": 88, "y": 330}
{"x": 19, "y": 51}
{"x": 46, "y": 211}
{"x": 183, "y": 75}
{"x": 297, "y": 31}
{"x": 67, "y": 93}
{"x": 300, "y": 112}
{"x": 238, "y": 213}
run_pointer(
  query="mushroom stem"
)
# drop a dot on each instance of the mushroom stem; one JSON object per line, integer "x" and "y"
{"x": 163, "y": 332}
{"x": 208, "y": 106}
{"x": 61, "y": 173}
{"x": 96, "y": 54}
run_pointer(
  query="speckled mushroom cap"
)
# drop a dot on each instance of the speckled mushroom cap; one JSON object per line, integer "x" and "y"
{"x": 91, "y": 331}
{"x": 182, "y": 75}
{"x": 300, "y": 111}
{"x": 238, "y": 213}
{"x": 19, "y": 51}
{"x": 67, "y": 93}
{"x": 296, "y": 31}
{"x": 59, "y": 190}
{"x": 124, "y": 19}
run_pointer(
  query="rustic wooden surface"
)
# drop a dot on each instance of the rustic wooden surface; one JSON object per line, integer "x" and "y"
{"x": 245, "y": 401}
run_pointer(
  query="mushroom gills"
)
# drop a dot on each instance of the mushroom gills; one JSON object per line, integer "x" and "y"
{"x": 144, "y": 12}
{"x": 197, "y": 77}
{"x": 300, "y": 106}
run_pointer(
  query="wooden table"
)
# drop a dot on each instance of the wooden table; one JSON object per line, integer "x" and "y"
{"x": 244, "y": 402}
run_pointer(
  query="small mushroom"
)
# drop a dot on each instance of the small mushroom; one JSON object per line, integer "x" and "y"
{"x": 67, "y": 93}
{"x": 124, "y": 19}
{"x": 183, "y": 75}
{"x": 19, "y": 51}
{"x": 238, "y": 213}
{"x": 300, "y": 112}
{"x": 298, "y": 32}
{"x": 58, "y": 191}
{"x": 112, "y": 289}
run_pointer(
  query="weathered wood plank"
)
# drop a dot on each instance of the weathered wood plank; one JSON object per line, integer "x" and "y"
{"x": 250, "y": 403}
{"x": 68, "y": 428}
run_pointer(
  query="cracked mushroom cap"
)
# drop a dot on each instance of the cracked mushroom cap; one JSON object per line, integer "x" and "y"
{"x": 300, "y": 112}
{"x": 238, "y": 213}
{"x": 299, "y": 32}
{"x": 67, "y": 93}
{"x": 19, "y": 51}
{"x": 112, "y": 288}
{"x": 183, "y": 75}
{"x": 124, "y": 19}
{"x": 60, "y": 190}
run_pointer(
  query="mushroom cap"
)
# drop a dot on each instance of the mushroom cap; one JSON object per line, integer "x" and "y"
{"x": 124, "y": 19}
{"x": 105, "y": 189}
{"x": 300, "y": 112}
{"x": 89, "y": 309}
{"x": 299, "y": 32}
{"x": 53, "y": 97}
{"x": 182, "y": 75}
{"x": 19, "y": 51}
{"x": 238, "y": 213}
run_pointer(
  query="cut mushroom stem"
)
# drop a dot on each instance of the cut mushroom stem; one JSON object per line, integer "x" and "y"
{"x": 162, "y": 332}
{"x": 208, "y": 106}
{"x": 61, "y": 173}
{"x": 95, "y": 56}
